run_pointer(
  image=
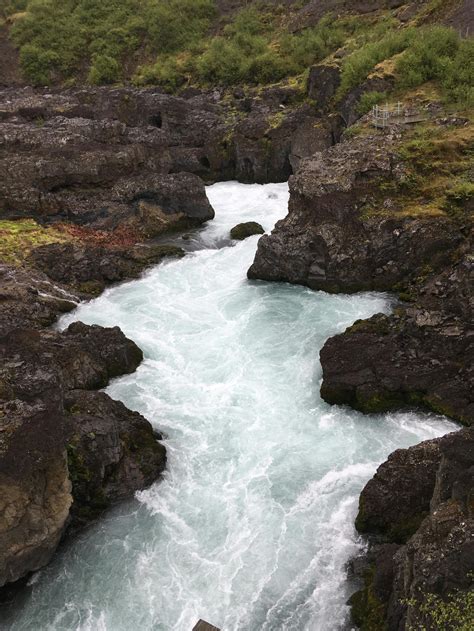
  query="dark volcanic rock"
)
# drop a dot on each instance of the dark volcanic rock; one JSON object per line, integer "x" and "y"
{"x": 29, "y": 299}
{"x": 323, "y": 82}
{"x": 397, "y": 499}
{"x": 112, "y": 452}
{"x": 424, "y": 352}
{"x": 53, "y": 433}
{"x": 102, "y": 156}
{"x": 244, "y": 230}
{"x": 91, "y": 268}
{"x": 327, "y": 242}
{"x": 435, "y": 478}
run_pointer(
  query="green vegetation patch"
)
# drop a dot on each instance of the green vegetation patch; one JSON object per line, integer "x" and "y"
{"x": 420, "y": 55}
{"x": 455, "y": 613}
{"x": 59, "y": 39}
{"x": 18, "y": 238}
{"x": 255, "y": 48}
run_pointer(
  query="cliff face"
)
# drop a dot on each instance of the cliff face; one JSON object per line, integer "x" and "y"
{"x": 331, "y": 241}
{"x": 105, "y": 157}
{"x": 67, "y": 452}
{"x": 419, "y": 510}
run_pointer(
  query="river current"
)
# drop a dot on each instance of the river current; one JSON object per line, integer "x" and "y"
{"x": 251, "y": 526}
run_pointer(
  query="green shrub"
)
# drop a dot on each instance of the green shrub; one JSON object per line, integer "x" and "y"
{"x": 357, "y": 66}
{"x": 369, "y": 99}
{"x": 9, "y": 7}
{"x": 312, "y": 44}
{"x": 103, "y": 33}
{"x": 38, "y": 64}
{"x": 438, "y": 54}
{"x": 169, "y": 72}
{"x": 104, "y": 69}
{"x": 427, "y": 56}
{"x": 174, "y": 25}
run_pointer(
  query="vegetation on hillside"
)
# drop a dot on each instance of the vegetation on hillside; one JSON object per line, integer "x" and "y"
{"x": 434, "y": 53}
{"x": 173, "y": 43}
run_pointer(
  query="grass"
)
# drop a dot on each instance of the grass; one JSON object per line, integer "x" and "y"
{"x": 437, "y": 162}
{"x": 19, "y": 238}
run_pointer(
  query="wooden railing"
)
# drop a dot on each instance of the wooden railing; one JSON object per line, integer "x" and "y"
{"x": 397, "y": 115}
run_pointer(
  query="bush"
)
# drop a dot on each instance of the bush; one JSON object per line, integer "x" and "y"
{"x": 313, "y": 44}
{"x": 357, "y": 66}
{"x": 38, "y": 64}
{"x": 369, "y": 99}
{"x": 438, "y": 54}
{"x": 169, "y": 72}
{"x": 104, "y": 69}
{"x": 103, "y": 33}
{"x": 428, "y": 56}
{"x": 9, "y": 7}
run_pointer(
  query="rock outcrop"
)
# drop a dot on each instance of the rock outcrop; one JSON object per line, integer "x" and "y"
{"x": 67, "y": 452}
{"x": 88, "y": 269}
{"x": 336, "y": 239}
{"x": 102, "y": 156}
{"x": 422, "y": 498}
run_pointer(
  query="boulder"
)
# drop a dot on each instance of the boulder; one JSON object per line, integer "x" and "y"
{"x": 112, "y": 452}
{"x": 435, "y": 561}
{"x": 244, "y": 230}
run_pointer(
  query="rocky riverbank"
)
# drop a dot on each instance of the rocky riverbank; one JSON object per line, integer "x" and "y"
{"x": 355, "y": 224}
{"x": 89, "y": 177}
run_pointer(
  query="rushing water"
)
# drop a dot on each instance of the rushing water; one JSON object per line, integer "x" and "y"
{"x": 252, "y": 525}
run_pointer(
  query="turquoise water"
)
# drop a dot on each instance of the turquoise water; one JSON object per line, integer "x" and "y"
{"x": 252, "y": 525}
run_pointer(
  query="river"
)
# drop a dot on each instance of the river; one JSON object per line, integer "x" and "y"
{"x": 251, "y": 527}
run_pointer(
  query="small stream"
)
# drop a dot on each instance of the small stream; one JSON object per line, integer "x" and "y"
{"x": 252, "y": 526}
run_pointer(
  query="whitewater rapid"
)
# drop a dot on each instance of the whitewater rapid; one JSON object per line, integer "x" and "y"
{"x": 251, "y": 527}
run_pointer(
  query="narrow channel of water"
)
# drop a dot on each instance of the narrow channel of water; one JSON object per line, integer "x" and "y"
{"x": 252, "y": 525}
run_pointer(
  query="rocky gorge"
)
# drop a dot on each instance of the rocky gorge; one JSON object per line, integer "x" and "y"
{"x": 418, "y": 508}
{"x": 108, "y": 171}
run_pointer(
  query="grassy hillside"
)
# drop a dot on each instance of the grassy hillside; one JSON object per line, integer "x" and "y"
{"x": 174, "y": 43}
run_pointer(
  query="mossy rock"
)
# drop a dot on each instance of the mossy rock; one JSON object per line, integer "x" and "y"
{"x": 367, "y": 611}
{"x": 244, "y": 230}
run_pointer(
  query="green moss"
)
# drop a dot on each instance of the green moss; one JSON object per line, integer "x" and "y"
{"x": 367, "y": 611}
{"x": 441, "y": 407}
{"x": 18, "y": 238}
{"x": 91, "y": 287}
{"x": 460, "y": 198}
{"x": 455, "y": 612}
{"x": 380, "y": 326}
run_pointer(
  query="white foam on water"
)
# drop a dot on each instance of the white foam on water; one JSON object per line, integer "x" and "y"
{"x": 252, "y": 525}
